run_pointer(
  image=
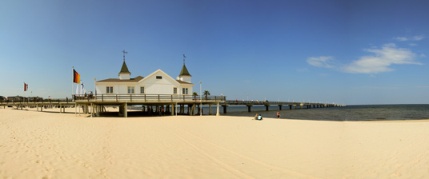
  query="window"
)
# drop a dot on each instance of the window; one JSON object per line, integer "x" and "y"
{"x": 184, "y": 90}
{"x": 158, "y": 77}
{"x": 109, "y": 89}
{"x": 130, "y": 89}
{"x": 174, "y": 90}
{"x": 141, "y": 89}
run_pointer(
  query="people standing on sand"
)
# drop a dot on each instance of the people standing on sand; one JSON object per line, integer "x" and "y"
{"x": 278, "y": 114}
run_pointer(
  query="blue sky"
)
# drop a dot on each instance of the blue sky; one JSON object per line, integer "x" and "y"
{"x": 347, "y": 52}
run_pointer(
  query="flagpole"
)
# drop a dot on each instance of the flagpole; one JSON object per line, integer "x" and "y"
{"x": 72, "y": 86}
{"x": 95, "y": 87}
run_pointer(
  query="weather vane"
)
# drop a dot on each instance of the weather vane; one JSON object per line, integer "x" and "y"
{"x": 124, "y": 52}
{"x": 184, "y": 58}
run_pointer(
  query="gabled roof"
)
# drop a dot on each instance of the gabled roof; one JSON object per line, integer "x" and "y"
{"x": 158, "y": 72}
{"x": 124, "y": 68}
{"x": 184, "y": 71}
{"x": 136, "y": 79}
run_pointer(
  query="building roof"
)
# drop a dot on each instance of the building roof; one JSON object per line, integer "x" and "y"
{"x": 136, "y": 79}
{"x": 184, "y": 71}
{"x": 183, "y": 82}
{"x": 124, "y": 68}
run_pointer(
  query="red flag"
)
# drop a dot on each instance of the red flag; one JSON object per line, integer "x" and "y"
{"x": 76, "y": 77}
{"x": 25, "y": 86}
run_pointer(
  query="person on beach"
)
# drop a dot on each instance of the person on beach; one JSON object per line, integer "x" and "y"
{"x": 278, "y": 114}
{"x": 258, "y": 117}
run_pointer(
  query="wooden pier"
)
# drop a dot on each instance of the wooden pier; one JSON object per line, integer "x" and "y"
{"x": 157, "y": 104}
{"x": 61, "y": 104}
{"x": 153, "y": 104}
{"x": 280, "y": 104}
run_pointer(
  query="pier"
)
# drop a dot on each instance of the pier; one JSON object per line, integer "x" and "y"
{"x": 155, "y": 104}
{"x": 95, "y": 104}
{"x": 280, "y": 104}
{"x": 39, "y": 104}
{"x": 152, "y": 104}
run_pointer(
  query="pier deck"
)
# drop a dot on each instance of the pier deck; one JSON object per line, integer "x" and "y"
{"x": 280, "y": 104}
{"x": 154, "y": 103}
{"x": 172, "y": 104}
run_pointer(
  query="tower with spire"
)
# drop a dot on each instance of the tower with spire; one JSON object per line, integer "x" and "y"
{"x": 184, "y": 75}
{"x": 124, "y": 74}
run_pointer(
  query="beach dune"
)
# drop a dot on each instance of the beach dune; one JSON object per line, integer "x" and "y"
{"x": 53, "y": 145}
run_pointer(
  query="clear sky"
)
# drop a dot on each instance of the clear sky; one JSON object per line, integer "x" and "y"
{"x": 342, "y": 51}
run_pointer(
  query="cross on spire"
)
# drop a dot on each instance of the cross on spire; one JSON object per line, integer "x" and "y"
{"x": 124, "y": 52}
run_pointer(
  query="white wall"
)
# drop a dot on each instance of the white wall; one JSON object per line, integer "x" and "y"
{"x": 185, "y": 79}
{"x": 151, "y": 85}
{"x": 118, "y": 88}
{"x": 124, "y": 76}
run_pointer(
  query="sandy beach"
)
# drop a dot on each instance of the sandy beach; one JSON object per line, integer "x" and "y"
{"x": 53, "y": 145}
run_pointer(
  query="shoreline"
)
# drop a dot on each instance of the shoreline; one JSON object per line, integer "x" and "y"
{"x": 321, "y": 114}
{"x": 395, "y": 112}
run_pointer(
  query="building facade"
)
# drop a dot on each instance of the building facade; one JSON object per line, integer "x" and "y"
{"x": 155, "y": 83}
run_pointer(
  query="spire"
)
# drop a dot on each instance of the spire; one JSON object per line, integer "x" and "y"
{"x": 184, "y": 71}
{"x": 124, "y": 68}
{"x": 124, "y": 74}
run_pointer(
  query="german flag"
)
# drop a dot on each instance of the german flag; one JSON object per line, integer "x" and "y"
{"x": 76, "y": 77}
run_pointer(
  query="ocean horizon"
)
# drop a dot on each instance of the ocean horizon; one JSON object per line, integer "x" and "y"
{"x": 346, "y": 113}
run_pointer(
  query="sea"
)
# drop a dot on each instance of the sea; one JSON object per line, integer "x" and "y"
{"x": 346, "y": 113}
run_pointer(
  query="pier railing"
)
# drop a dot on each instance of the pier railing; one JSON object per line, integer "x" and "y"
{"x": 147, "y": 98}
{"x": 36, "y": 101}
{"x": 116, "y": 98}
{"x": 256, "y": 102}
{"x": 280, "y": 103}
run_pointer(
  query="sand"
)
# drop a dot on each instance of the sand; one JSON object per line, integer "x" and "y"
{"x": 53, "y": 145}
